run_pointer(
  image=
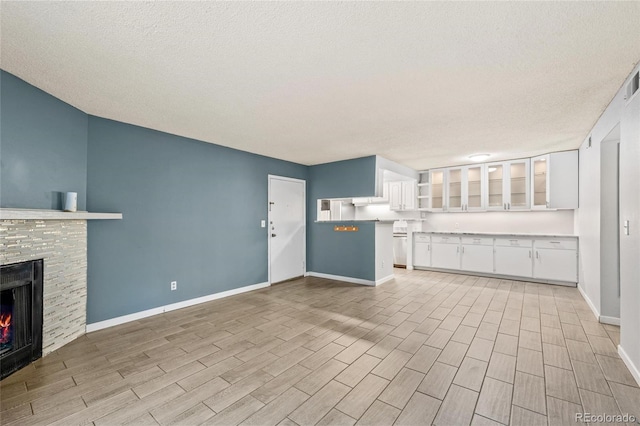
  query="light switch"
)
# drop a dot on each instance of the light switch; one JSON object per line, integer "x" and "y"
{"x": 263, "y": 223}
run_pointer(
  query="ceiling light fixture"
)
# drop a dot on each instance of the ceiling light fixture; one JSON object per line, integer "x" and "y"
{"x": 479, "y": 157}
{"x": 492, "y": 169}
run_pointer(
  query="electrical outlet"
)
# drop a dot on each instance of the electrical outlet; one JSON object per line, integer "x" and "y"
{"x": 457, "y": 226}
{"x": 174, "y": 285}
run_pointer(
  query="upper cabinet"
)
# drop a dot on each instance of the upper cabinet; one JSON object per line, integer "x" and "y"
{"x": 402, "y": 195}
{"x": 465, "y": 188}
{"x": 437, "y": 180}
{"x": 554, "y": 181}
{"x": 508, "y": 185}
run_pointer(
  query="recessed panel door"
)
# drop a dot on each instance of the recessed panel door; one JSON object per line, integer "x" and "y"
{"x": 286, "y": 228}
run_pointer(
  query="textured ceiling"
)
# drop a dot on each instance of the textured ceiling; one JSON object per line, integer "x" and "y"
{"x": 424, "y": 84}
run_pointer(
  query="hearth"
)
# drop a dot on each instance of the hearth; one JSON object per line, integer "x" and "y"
{"x": 20, "y": 315}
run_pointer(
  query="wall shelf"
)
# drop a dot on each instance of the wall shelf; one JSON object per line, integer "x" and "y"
{"x": 40, "y": 214}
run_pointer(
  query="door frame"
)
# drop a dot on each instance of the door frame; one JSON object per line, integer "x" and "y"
{"x": 268, "y": 227}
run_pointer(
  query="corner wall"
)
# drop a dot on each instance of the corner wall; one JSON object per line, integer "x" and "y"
{"x": 191, "y": 214}
{"x": 43, "y": 147}
{"x": 346, "y": 254}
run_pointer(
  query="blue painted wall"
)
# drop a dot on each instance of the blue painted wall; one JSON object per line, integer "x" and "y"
{"x": 349, "y": 254}
{"x": 43, "y": 147}
{"x": 192, "y": 214}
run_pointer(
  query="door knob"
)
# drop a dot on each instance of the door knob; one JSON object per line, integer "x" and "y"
{"x": 273, "y": 235}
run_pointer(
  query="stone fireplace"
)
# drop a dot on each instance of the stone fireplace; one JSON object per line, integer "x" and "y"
{"x": 62, "y": 246}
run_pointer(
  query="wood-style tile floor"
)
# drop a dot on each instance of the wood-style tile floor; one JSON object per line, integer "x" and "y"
{"x": 425, "y": 348}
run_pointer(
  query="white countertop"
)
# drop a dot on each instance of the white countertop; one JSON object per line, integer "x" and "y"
{"x": 37, "y": 214}
{"x": 501, "y": 234}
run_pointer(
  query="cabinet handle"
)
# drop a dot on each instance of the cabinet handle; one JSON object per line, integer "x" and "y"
{"x": 504, "y": 206}
{"x": 529, "y": 254}
{"x": 547, "y": 204}
{"x": 428, "y": 247}
{"x": 457, "y": 249}
{"x": 509, "y": 204}
{"x": 462, "y": 249}
{"x": 537, "y": 255}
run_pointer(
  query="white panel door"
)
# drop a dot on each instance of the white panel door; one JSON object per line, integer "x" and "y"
{"x": 477, "y": 258}
{"x": 286, "y": 228}
{"x": 514, "y": 261}
{"x": 446, "y": 256}
{"x": 560, "y": 265}
{"x": 395, "y": 195}
{"x": 422, "y": 254}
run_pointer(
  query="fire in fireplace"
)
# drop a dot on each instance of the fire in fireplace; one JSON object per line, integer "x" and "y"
{"x": 6, "y": 341}
{"x": 20, "y": 315}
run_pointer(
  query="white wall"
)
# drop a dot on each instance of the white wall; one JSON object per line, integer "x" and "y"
{"x": 609, "y": 232}
{"x": 629, "y": 348}
{"x": 547, "y": 222}
{"x": 589, "y": 217}
{"x": 384, "y": 250}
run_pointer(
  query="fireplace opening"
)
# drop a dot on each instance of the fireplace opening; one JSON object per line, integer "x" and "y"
{"x": 20, "y": 315}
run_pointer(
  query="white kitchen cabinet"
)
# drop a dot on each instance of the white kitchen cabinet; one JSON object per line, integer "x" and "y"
{"x": 422, "y": 250}
{"x": 424, "y": 191}
{"x": 554, "y": 181}
{"x": 445, "y": 251}
{"x": 402, "y": 195}
{"x": 437, "y": 183}
{"x": 508, "y": 185}
{"x": 464, "y": 188}
{"x": 514, "y": 256}
{"x": 556, "y": 259}
{"x": 477, "y": 254}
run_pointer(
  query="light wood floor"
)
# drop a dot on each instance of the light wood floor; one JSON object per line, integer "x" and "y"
{"x": 425, "y": 348}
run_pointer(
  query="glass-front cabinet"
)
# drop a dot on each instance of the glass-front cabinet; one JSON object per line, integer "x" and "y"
{"x": 540, "y": 182}
{"x": 437, "y": 181}
{"x": 508, "y": 185}
{"x": 465, "y": 188}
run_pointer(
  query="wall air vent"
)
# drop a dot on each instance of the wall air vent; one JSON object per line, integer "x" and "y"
{"x": 632, "y": 86}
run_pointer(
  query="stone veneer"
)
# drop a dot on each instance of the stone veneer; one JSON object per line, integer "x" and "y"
{"x": 63, "y": 246}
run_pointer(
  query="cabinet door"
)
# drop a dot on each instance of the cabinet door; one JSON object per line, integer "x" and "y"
{"x": 395, "y": 195}
{"x": 454, "y": 189}
{"x": 559, "y": 265}
{"x": 540, "y": 182}
{"x": 446, "y": 256}
{"x": 496, "y": 186}
{"x": 408, "y": 195}
{"x": 437, "y": 190}
{"x": 477, "y": 258}
{"x": 515, "y": 261}
{"x": 422, "y": 254}
{"x": 473, "y": 190}
{"x": 518, "y": 184}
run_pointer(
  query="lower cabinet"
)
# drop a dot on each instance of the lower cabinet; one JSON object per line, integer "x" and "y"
{"x": 541, "y": 258}
{"x": 422, "y": 250}
{"x": 556, "y": 260}
{"x": 514, "y": 257}
{"x": 445, "y": 252}
{"x": 477, "y": 255}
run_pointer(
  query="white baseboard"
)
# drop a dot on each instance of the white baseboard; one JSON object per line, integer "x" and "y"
{"x": 385, "y": 279}
{"x": 609, "y": 320}
{"x": 635, "y": 372}
{"x": 172, "y": 307}
{"x": 601, "y": 318}
{"x": 341, "y": 278}
{"x": 589, "y": 302}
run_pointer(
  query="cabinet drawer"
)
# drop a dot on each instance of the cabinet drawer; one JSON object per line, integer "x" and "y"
{"x": 514, "y": 242}
{"x": 557, "y": 243}
{"x": 478, "y": 241}
{"x": 422, "y": 238}
{"x": 445, "y": 239}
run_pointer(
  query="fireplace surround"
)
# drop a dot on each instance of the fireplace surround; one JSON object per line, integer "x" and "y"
{"x": 21, "y": 313}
